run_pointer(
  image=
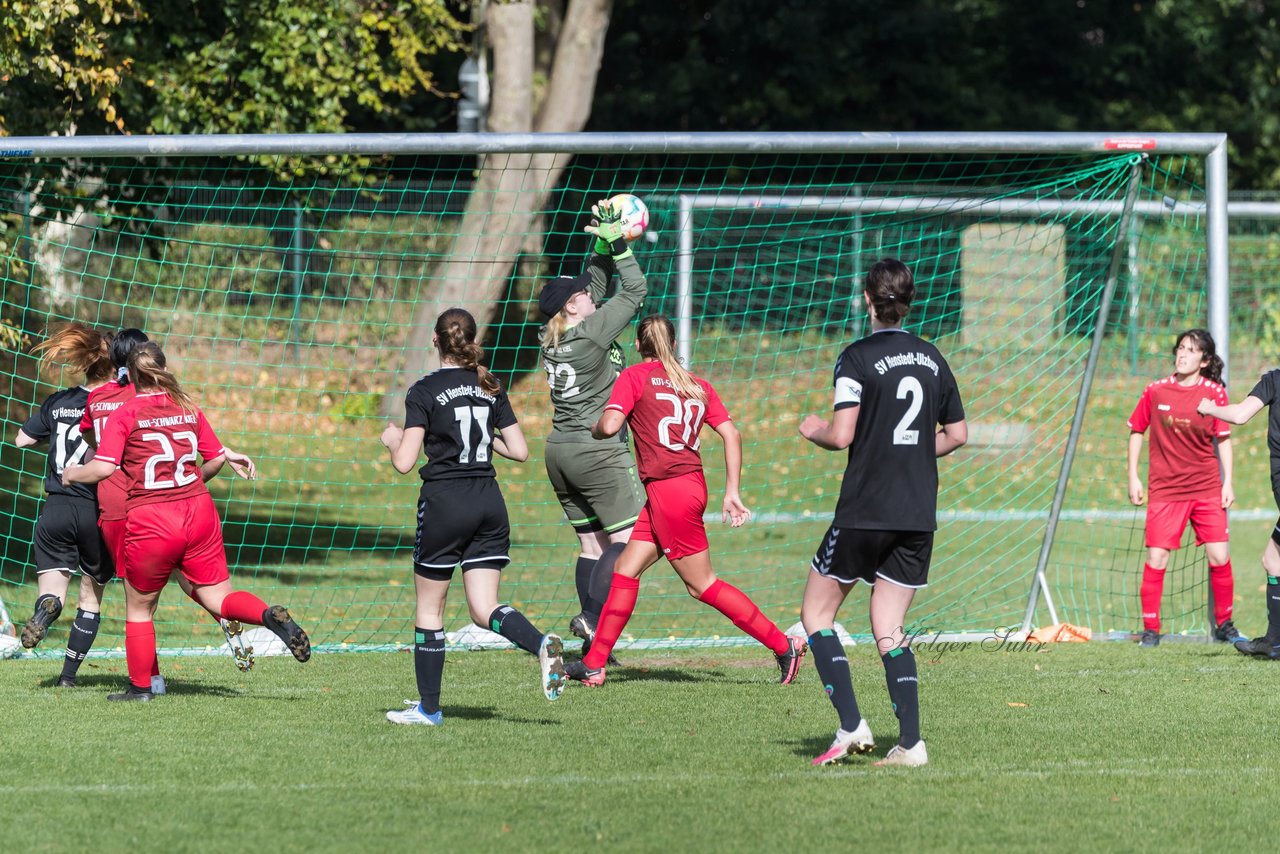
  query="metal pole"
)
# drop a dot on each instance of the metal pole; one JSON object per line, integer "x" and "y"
{"x": 602, "y": 143}
{"x": 1219, "y": 286}
{"x": 28, "y": 258}
{"x": 684, "y": 280}
{"x": 1135, "y": 290}
{"x": 1215, "y": 186}
{"x": 296, "y": 271}
{"x": 859, "y": 319}
{"x": 1038, "y": 583}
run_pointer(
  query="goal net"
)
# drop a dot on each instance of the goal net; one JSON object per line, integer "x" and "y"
{"x": 292, "y": 287}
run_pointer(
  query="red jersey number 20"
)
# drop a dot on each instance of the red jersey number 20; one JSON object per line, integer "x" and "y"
{"x": 686, "y": 418}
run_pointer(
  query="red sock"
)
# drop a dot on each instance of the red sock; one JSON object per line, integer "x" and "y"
{"x": 1223, "y": 587}
{"x": 623, "y": 593}
{"x": 140, "y": 652}
{"x": 1152, "y": 590}
{"x": 739, "y": 608}
{"x": 155, "y": 662}
{"x": 243, "y": 606}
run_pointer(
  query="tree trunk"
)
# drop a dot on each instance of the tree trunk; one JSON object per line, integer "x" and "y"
{"x": 511, "y": 189}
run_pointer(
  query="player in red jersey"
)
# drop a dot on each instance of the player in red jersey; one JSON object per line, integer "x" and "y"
{"x": 66, "y": 540}
{"x": 1187, "y": 480}
{"x": 666, "y": 407}
{"x": 171, "y": 523}
{"x": 112, "y": 492}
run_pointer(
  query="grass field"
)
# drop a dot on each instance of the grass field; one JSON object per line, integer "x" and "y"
{"x": 1089, "y": 746}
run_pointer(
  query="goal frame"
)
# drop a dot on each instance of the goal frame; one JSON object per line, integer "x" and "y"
{"x": 1212, "y": 147}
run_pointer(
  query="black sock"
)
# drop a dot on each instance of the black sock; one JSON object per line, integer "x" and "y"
{"x": 601, "y": 577}
{"x": 428, "y": 666}
{"x": 515, "y": 627}
{"x": 582, "y": 579}
{"x": 904, "y": 693}
{"x": 84, "y": 630}
{"x": 1273, "y": 609}
{"x": 833, "y": 670}
{"x": 57, "y": 603}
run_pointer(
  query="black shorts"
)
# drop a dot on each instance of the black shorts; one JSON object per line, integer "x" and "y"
{"x": 461, "y": 521}
{"x": 67, "y": 538}
{"x": 1275, "y": 532}
{"x": 899, "y": 557}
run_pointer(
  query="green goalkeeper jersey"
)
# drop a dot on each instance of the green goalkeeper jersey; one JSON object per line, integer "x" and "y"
{"x": 581, "y": 368}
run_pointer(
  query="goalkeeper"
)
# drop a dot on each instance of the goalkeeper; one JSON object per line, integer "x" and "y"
{"x": 594, "y": 479}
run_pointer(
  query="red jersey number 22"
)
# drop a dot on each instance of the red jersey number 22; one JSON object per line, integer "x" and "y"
{"x": 167, "y": 455}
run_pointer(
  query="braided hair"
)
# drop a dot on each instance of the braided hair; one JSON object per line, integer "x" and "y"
{"x": 456, "y": 337}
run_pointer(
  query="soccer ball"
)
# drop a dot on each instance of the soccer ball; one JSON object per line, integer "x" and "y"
{"x": 9, "y": 646}
{"x": 635, "y": 216}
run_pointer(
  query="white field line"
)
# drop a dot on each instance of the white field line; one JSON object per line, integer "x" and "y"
{"x": 1248, "y": 515}
{"x": 862, "y": 768}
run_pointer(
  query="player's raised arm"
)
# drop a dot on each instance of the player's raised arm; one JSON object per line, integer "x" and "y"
{"x": 617, "y": 312}
{"x": 1232, "y": 413}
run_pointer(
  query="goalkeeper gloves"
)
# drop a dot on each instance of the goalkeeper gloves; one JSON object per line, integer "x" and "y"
{"x": 607, "y": 227}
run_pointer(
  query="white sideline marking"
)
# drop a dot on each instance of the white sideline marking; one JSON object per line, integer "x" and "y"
{"x": 1256, "y": 514}
{"x": 985, "y": 772}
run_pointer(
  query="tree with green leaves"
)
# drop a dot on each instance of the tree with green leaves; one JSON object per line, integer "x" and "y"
{"x": 545, "y": 60}
{"x": 171, "y": 66}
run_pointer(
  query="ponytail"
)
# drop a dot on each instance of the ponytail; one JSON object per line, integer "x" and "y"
{"x": 122, "y": 344}
{"x": 456, "y": 337}
{"x": 657, "y": 339}
{"x": 890, "y": 287}
{"x": 554, "y": 331}
{"x": 79, "y": 347}
{"x": 147, "y": 367}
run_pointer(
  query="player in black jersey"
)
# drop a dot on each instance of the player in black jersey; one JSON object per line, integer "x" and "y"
{"x": 459, "y": 415}
{"x": 892, "y": 392}
{"x": 67, "y": 539}
{"x": 1266, "y": 392}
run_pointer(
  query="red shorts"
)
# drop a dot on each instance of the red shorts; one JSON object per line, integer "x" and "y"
{"x": 671, "y": 518}
{"x": 113, "y": 535}
{"x": 1166, "y": 520}
{"x": 185, "y": 535}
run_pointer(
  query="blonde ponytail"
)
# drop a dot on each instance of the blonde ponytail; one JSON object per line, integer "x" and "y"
{"x": 657, "y": 339}
{"x": 554, "y": 331}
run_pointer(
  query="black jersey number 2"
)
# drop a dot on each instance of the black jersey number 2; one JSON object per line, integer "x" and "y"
{"x": 909, "y": 388}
